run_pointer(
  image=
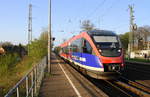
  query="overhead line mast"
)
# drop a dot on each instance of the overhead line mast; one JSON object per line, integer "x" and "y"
{"x": 132, "y": 28}
{"x": 29, "y": 27}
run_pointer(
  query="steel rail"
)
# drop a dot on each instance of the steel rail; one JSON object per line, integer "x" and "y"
{"x": 137, "y": 85}
{"x": 132, "y": 89}
{"x": 34, "y": 76}
{"x": 144, "y": 89}
{"x": 118, "y": 88}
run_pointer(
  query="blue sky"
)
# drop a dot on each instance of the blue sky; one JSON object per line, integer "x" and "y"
{"x": 66, "y": 14}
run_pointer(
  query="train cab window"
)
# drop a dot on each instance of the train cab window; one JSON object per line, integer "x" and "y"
{"x": 63, "y": 50}
{"x": 76, "y": 46}
{"x": 87, "y": 47}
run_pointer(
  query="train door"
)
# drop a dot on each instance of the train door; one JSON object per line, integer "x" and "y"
{"x": 86, "y": 52}
{"x": 76, "y": 51}
{"x": 86, "y": 47}
{"x": 88, "y": 57}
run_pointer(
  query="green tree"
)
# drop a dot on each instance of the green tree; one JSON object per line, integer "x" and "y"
{"x": 38, "y": 47}
{"x": 125, "y": 40}
{"x": 6, "y": 44}
{"x": 141, "y": 36}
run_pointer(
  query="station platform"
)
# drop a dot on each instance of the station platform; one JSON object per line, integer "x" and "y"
{"x": 66, "y": 82}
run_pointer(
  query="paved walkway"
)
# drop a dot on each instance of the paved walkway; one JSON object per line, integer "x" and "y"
{"x": 61, "y": 83}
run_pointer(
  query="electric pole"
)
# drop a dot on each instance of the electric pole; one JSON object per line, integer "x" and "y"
{"x": 29, "y": 27}
{"x": 131, "y": 33}
{"x": 49, "y": 38}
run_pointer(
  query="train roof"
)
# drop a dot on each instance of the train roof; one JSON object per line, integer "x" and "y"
{"x": 101, "y": 32}
{"x": 91, "y": 33}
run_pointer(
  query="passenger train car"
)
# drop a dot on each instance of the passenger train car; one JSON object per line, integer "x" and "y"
{"x": 96, "y": 53}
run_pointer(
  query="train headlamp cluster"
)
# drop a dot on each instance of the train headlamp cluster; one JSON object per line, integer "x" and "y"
{"x": 100, "y": 50}
{"x": 119, "y": 50}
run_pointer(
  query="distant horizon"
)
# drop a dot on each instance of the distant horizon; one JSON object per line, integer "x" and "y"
{"x": 17, "y": 43}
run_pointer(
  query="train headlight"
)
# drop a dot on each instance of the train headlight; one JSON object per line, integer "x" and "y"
{"x": 100, "y": 50}
{"x": 119, "y": 50}
{"x": 122, "y": 65}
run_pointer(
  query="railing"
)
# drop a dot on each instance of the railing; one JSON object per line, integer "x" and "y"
{"x": 29, "y": 85}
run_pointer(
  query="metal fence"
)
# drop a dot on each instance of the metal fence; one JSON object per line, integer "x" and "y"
{"x": 30, "y": 82}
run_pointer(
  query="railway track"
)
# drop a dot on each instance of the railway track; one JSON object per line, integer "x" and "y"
{"x": 143, "y": 68}
{"x": 112, "y": 89}
{"x": 136, "y": 87}
{"x": 139, "y": 70}
{"x": 126, "y": 87}
{"x": 136, "y": 84}
{"x": 141, "y": 73}
{"x": 137, "y": 91}
{"x": 122, "y": 89}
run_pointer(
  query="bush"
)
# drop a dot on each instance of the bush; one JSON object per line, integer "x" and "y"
{"x": 38, "y": 49}
{"x": 12, "y": 70}
{"x": 7, "y": 61}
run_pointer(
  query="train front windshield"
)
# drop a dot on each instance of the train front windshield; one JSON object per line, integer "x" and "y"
{"x": 109, "y": 46}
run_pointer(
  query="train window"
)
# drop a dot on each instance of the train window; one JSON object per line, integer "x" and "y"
{"x": 87, "y": 47}
{"x": 105, "y": 38}
{"x": 73, "y": 46}
{"x": 79, "y": 44}
{"x": 66, "y": 50}
{"x": 76, "y": 46}
{"x": 63, "y": 49}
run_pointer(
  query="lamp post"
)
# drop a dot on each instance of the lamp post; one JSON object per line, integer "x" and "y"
{"x": 49, "y": 38}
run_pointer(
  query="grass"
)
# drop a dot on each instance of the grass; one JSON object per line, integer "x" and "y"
{"x": 14, "y": 74}
{"x": 9, "y": 76}
{"x": 7, "y": 61}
